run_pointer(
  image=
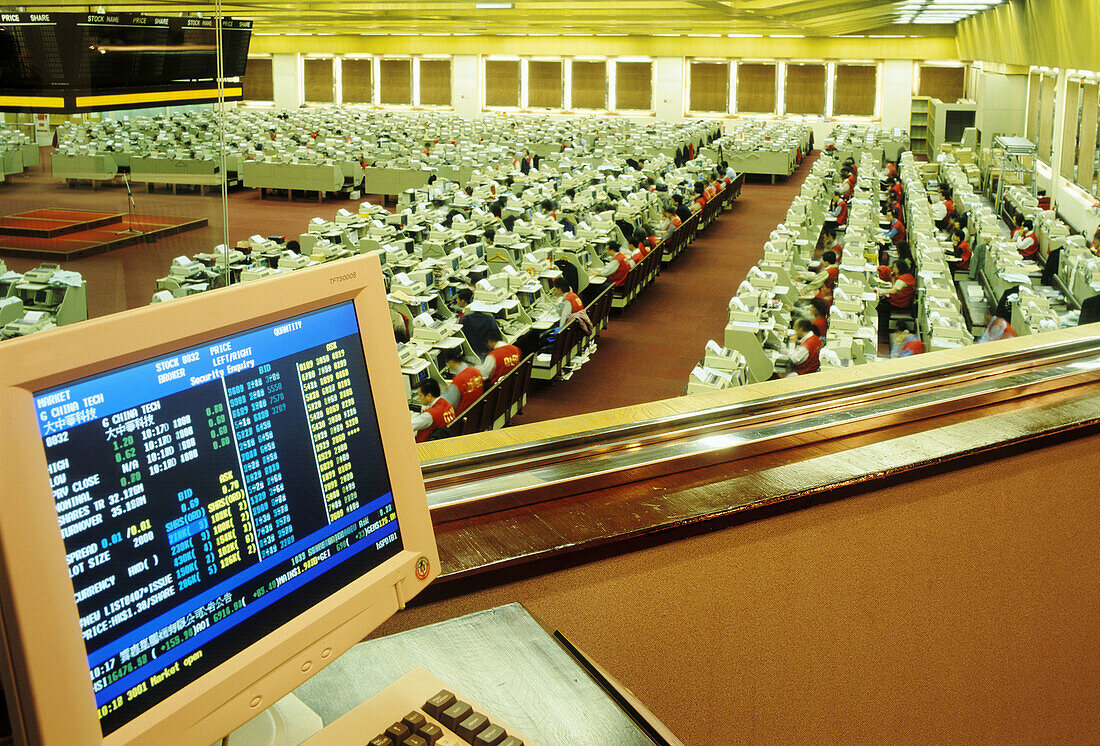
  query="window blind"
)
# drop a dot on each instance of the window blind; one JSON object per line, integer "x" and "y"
{"x": 948, "y": 84}
{"x": 544, "y": 84}
{"x": 318, "y": 80}
{"x": 708, "y": 86}
{"x": 756, "y": 88}
{"x": 855, "y": 90}
{"x": 435, "y": 82}
{"x": 258, "y": 85}
{"x": 502, "y": 83}
{"x": 395, "y": 82}
{"x": 589, "y": 85}
{"x": 634, "y": 86}
{"x": 356, "y": 79}
{"x": 805, "y": 89}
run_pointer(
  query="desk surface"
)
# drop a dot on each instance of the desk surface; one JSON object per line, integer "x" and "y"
{"x": 502, "y": 659}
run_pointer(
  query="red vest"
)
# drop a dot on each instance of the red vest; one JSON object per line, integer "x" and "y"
{"x": 507, "y": 357}
{"x": 964, "y": 255}
{"x": 442, "y": 413}
{"x": 469, "y": 383}
{"x": 640, "y": 254}
{"x": 842, "y": 216}
{"x": 950, "y": 205}
{"x": 812, "y": 344}
{"x": 619, "y": 277}
{"x": 904, "y": 297}
{"x": 676, "y": 222}
{"x": 822, "y": 325}
{"x": 574, "y": 301}
{"x": 900, "y": 235}
{"x": 826, "y": 291}
{"x": 913, "y": 346}
{"x": 710, "y": 192}
{"x": 1033, "y": 249}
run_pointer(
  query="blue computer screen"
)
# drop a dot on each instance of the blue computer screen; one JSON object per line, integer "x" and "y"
{"x": 209, "y": 495}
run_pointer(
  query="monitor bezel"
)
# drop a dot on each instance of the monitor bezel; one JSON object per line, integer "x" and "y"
{"x": 45, "y": 670}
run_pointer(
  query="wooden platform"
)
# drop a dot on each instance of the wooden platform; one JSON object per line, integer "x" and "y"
{"x": 53, "y": 223}
{"x": 64, "y": 235}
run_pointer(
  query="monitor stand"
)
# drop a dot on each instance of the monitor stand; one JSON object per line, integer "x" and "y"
{"x": 288, "y": 722}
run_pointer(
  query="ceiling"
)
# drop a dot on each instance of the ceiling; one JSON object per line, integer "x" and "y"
{"x": 577, "y": 17}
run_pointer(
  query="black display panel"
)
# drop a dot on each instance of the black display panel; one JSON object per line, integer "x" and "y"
{"x": 110, "y": 53}
{"x": 208, "y": 496}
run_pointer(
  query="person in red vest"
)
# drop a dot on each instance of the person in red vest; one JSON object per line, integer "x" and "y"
{"x": 962, "y": 246}
{"x": 838, "y": 210}
{"x": 825, "y": 280}
{"x": 1028, "y": 243}
{"x": 501, "y": 358}
{"x": 805, "y": 348}
{"x": 896, "y": 231}
{"x": 618, "y": 265}
{"x": 571, "y": 306}
{"x": 829, "y": 243}
{"x": 906, "y": 343}
{"x": 467, "y": 382}
{"x": 436, "y": 412}
{"x": 897, "y": 298}
{"x": 819, "y": 311}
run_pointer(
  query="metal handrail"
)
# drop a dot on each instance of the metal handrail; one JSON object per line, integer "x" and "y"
{"x": 484, "y": 481}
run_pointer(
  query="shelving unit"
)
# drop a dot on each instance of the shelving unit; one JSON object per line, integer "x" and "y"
{"x": 918, "y": 125}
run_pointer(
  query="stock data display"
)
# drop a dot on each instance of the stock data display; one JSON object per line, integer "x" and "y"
{"x": 208, "y": 496}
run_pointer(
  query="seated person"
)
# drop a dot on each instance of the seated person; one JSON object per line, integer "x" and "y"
{"x": 1094, "y": 245}
{"x": 804, "y": 348}
{"x": 617, "y": 266}
{"x": 682, "y": 211}
{"x": 476, "y": 325}
{"x": 700, "y": 200}
{"x": 466, "y": 381}
{"x": 997, "y": 325}
{"x": 897, "y": 297}
{"x": 571, "y": 305}
{"x": 436, "y": 412}
{"x": 948, "y": 207}
{"x": 838, "y": 209}
{"x": 672, "y": 219}
{"x": 819, "y": 315}
{"x": 728, "y": 174}
{"x": 962, "y": 251}
{"x": 829, "y": 243}
{"x": 1028, "y": 242}
{"x": 501, "y": 358}
{"x": 896, "y": 231}
{"x": 906, "y": 343}
{"x": 710, "y": 190}
{"x": 822, "y": 284}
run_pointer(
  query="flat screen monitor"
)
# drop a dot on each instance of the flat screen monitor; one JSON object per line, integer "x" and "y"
{"x": 204, "y": 503}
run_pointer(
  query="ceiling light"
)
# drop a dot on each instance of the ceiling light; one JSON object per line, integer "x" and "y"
{"x": 745, "y": 36}
{"x": 494, "y": 6}
{"x": 786, "y": 36}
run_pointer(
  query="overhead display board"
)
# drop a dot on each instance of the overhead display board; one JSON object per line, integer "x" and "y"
{"x": 73, "y": 62}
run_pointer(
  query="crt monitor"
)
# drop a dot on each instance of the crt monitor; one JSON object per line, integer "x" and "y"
{"x": 204, "y": 503}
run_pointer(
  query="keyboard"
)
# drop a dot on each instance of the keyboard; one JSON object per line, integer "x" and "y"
{"x": 418, "y": 710}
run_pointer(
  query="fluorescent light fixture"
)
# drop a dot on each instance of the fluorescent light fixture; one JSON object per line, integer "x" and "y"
{"x": 786, "y": 36}
{"x": 494, "y": 6}
{"x": 701, "y": 36}
{"x": 745, "y": 36}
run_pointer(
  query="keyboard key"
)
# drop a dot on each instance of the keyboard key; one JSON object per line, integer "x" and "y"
{"x": 491, "y": 736}
{"x": 455, "y": 714}
{"x": 382, "y": 740}
{"x": 470, "y": 726}
{"x": 511, "y": 741}
{"x": 414, "y": 741}
{"x": 430, "y": 732}
{"x": 438, "y": 703}
{"x": 415, "y": 720}
{"x": 398, "y": 732}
